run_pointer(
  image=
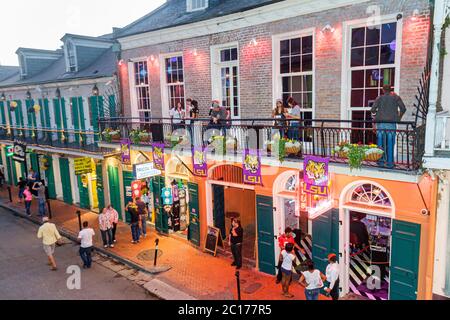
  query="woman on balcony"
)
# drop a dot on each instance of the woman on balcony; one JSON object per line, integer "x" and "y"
{"x": 294, "y": 113}
{"x": 278, "y": 113}
{"x": 178, "y": 116}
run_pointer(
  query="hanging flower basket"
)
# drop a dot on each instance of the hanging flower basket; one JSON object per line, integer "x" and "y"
{"x": 231, "y": 144}
{"x": 292, "y": 147}
{"x": 13, "y": 105}
{"x": 219, "y": 145}
{"x": 138, "y": 136}
{"x": 373, "y": 153}
{"x": 111, "y": 135}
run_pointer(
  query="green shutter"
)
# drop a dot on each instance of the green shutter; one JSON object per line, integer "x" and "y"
{"x": 266, "y": 236}
{"x": 114, "y": 188}
{"x": 50, "y": 175}
{"x": 58, "y": 121}
{"x": 112, "y": 106}
{"x": 194, "y": 214}
{"x": 65, "y": 176}
{"x": 2, "y": 113}
{"x": 161, "y": 219}
{"x": 75, "y": 118}
{"x": 325, "y": 238}
{"x": 127, "y": 181}
{"x": 100, "y": 189}
{"x": 84, "y": 194}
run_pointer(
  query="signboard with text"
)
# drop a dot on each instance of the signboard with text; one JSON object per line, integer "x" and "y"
{"x": 145, "y": 170}
{"x": 82, "y": 166}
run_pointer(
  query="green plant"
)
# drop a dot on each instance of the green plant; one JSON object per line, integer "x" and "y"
{"x": 138, "y": 135}
{"x": 356, "y": 155}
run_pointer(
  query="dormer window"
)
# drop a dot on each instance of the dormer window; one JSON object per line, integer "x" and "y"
{"x": 196, "y": 5}
{"x": 71, "y": 57}
{"x": 23, "y": 65}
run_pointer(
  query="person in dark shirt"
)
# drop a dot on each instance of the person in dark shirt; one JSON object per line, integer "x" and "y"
{"x": 142, "y": 212}
{"x": 134, "y": 220}
{"x": 359, "y": 236}
{"x": 235, "y": 241}
{"x": 21, "y": 184}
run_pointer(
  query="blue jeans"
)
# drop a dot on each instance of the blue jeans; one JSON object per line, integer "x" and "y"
{"x": 135, "y": 231}
{"x": 28, "y": 207}
{"x": 21, "y": 196}
{"x": 144, "y": 224}
{"x": 294, "y": 132}
{"x": 312, "y": 294}
{"x": 107, "y": 237}
{"x": 41, "y": 207}
{"x": 86, "y": 256}
{"x": 386, "y": 140}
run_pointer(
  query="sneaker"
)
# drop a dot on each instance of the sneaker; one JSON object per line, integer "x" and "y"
{"x": 115, "y": 241}
{"x": 111, "y": 246}
{"x": 105, "y": 246}
{"x": 133, "y": 242}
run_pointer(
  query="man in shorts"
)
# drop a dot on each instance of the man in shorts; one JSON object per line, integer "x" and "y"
{"x": 50, "y": 236}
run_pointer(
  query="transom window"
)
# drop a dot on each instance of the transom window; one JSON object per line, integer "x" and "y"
{"x": 296, "y": 69}
{"x": 371, "y": 195}
{"x": 175, "y": 81}
{"x": 142, "y": 87}
{"x": 229, "y": 76}
{"x": 372, "y": 65}
{"x": 195, "y": 5}
{"x": 292, "y": 184}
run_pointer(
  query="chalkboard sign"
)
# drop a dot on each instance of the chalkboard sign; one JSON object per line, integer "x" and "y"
{"x": 213, "y": 240}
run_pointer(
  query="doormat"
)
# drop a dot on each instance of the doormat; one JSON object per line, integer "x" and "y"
{"x": 149, "y": 255}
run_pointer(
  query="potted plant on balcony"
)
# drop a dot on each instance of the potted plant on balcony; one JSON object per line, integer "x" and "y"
{"x": 111, "y": 135}
{"x": 373, "y": 153}
{"x": 13, "y": 105}
{"x": 277, "y": 145}
{"x": 219, "y": 144}
{"x": 292, "y": 147}
{"x": 341, "y": 150}
{"x": 231, "y": 144}
{"x": 137, "y": 136}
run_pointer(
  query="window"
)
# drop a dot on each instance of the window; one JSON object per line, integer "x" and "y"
{"x": 71, "y": 57}
{"x": 23, "y": 65}
{"x": 229, "y": 79}
{"x": 371, "y": 195}
{"x": 373, "y": 54}
{"x": 175, "y": 81}
{"x": 296, "y": 71}
{"x": 196, "y": 5}
{"x": 142, "y": 87}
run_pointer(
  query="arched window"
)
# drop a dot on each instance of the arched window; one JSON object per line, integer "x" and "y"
{"x": 369, "y": 194}
{"x": 292, "y": 184}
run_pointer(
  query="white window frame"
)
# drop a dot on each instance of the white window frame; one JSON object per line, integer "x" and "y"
{"x": 165, "y": 86}
{"x": 276, "y": 58}
{"x": 190, "y": 5}
{"x": 216, "y": 75}
{"x": 347, "y": 27}
{"x": 23, "y": 65}
{"x": 135, "y": 110}
{"x": 67, "y": 55}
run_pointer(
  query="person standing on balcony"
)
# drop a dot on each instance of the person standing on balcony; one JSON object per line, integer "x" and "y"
{"x": 178, "y": 115}
{"x": 218, "y": 117}
{"x": 278, "y": 113}
{"x": 386, "y": 111}
{"x": 294, "y": 114}
{"x": 104, "y": 221}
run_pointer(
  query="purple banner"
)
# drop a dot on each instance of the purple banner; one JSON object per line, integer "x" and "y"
{"x": 158, "y": 156}
{"x": 316, "y": 175}
{"x": 125, "y": 147}
{"x": 252, "y": 167}
{"x": 199, "y": 160}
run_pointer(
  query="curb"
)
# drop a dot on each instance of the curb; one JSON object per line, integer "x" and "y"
{"x": 156, "y": 288}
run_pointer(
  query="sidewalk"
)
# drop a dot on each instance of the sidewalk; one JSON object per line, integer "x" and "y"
{"x": 197, "y": 274}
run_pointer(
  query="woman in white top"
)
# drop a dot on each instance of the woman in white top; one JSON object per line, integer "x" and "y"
{"x": 312, "y": 280}
{"x": 288, "y": 261}
{"x": 178, "y": 116}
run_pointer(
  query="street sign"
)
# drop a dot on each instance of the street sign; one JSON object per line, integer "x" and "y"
{"x": 145, "y": 170}
{"x": 83, "y": 166}
{"x": 20, "y": 149}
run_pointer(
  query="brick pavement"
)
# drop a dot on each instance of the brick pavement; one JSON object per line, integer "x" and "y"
{"x": 194, "y": 272}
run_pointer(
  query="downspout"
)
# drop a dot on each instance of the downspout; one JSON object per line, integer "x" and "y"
{"x": 447, "y": 260}
{"x": 439, "y": 19}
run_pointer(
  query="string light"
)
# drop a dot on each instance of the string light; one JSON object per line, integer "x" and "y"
{"x": 328, "y": 28}
{"x": 253, "y": 42}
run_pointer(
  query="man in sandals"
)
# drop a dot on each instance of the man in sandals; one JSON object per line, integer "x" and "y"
{"x": 50, "y": 236}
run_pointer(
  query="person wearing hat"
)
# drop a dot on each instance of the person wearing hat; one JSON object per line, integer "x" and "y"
{"x": 50, "y": 236}
{"x": 332, "y": 274}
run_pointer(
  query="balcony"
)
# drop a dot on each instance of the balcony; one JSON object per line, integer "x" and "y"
{"x": 442, "y": 138}
{"x": 53, "y": 139}
{"x": 335, "y": 139}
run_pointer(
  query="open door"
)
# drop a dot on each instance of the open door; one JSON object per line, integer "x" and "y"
{"x": 219, "y": 209}
{"x": 405, "y": 260}
{"x": 266, "y": 236}
{"x": 325, "y": 238}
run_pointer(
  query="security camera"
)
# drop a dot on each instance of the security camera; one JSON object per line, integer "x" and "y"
{"x": 399, "y": 16}
{"x": 425, "y": 212}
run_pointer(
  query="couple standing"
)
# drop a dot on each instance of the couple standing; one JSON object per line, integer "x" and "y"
{"x": 108, "y": 220}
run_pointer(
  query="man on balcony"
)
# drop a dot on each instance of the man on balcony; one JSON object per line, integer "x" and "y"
{"x": 387, "y": 110}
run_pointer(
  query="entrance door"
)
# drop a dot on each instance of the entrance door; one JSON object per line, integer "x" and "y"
{"x": 114, "y": 188}
{"x": 266, "y": 236}
{"x": 83, "y": 187}
{"x": 325, "y": 239}
{"x": 219, "y": 209}
{"x": 405, "y": 260}
{"x": 127, "y": 181}
{"x": 194, "y": 215}
{"x": 161, "y": 220}
{"x": 65, "y": 176}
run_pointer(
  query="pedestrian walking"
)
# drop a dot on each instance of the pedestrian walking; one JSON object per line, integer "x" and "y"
{"x": 142, "y": 211}
{"x": 288, "y": 261}
{"x": 50, "y": 236}
{"x": 235, "y": 241}
{"x": 86, "y": 245}
{"x": 21, "y": 184}
{"x": 312, "y": 279}
{"x": 132, "y": 210}
{"x": 114, "y": 221}
{"x": 39, "y": 188}
{"x": 332, "y": 274}
{"x": 387, "y": 110}
{"x": 283, "y": 240}
{"x": 28, "y": 200}
{"x": 104, "y": 221}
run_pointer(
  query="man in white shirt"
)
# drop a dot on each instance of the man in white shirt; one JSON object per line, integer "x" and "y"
{"x": 85, "y": 237}
{"x": 332, "y": 274}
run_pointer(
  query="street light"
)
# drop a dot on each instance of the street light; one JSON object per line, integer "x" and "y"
{"x": 58, "y": 93}
{"x": 95, "y": 91}
{"x": 3, "y": 97}
{"x": 28, "y": 95}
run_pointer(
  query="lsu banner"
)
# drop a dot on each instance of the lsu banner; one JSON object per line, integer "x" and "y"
{"x": 316, "y": 177}
{"x": 125, "y": 147}
{"x": 252, "y": 167}
{"x": 199, "y": 160}
{"x": 158, "y": 156}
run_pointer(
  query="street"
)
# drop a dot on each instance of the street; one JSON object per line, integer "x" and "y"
{"x": 26, "y": 276}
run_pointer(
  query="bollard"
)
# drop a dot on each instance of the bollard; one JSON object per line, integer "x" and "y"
{"x": 79, "y": 218}
{"x": 156, "y": 251}
{"x": 238, "y": 279}
{"x": 49, "y": 209}
{"x": 10, "y": 195}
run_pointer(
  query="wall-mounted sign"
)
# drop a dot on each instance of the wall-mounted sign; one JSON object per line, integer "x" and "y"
{"x": 158, "y": 156}
{"x": 316, "y": 175}
{"x": 167, "y": 197}
{"x": 125, "y": 147}
{"x": 10, "y": 151}
{"x": 199, "y": 160}
{"x": 252, "y": 167}
{"x": 145, "y": 170}
{"x": 136, "y": 189}
{"x": 82, "y": 166}
{"x": 20, "y": 149}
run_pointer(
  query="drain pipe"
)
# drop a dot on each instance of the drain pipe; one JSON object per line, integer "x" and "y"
{"x": 447, "y": 260}
{"x": 440, "y": 12}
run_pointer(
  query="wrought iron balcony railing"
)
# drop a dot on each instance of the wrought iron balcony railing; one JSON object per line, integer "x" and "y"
{"x": 396, "y": 146}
